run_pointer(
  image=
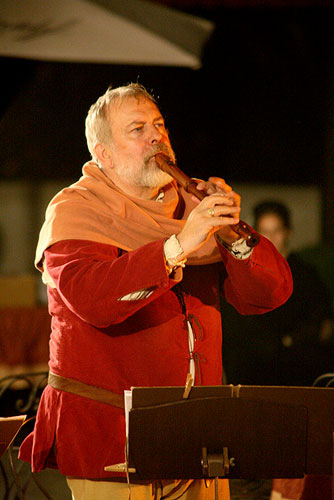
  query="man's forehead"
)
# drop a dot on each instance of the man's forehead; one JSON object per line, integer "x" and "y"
{"x": 130, "y": 108}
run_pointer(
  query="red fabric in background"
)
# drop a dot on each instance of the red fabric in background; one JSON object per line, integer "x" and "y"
{"x": 24, "y": 337}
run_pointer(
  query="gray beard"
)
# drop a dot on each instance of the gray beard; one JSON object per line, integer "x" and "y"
{"x": 153, "y": 177}
{"x": 150, "y": 176}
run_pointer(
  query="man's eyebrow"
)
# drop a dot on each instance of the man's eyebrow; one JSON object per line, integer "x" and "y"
{"x": 134, "y": 123}
{"x": 141, "y": 122}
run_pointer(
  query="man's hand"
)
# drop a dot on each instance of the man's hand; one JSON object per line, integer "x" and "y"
{"x": 214, "y": 185}
{"x": 215, "y": 212}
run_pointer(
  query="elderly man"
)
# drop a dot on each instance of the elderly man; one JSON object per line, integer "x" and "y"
{"x": 134, "y": 274}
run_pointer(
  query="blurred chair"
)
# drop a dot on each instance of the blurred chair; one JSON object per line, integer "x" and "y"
{"x": 19, "y": 399}
{"x": 325, "y": 380}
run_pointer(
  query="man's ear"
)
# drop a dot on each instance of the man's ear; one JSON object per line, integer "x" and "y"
{"x": 103, "y": 154}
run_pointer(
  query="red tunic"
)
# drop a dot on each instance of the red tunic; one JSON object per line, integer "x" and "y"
{"x": 116, "y": 344}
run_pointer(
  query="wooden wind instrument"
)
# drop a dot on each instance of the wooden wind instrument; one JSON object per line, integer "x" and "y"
{"x": 167, "y": 165}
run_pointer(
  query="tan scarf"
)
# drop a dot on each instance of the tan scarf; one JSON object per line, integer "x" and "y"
{"x": 95, "y": 209}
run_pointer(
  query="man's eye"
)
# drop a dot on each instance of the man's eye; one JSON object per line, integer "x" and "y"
{"x": 160, "y": 125}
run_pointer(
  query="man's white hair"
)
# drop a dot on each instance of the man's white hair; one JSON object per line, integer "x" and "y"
{"x": 97, "y": 126}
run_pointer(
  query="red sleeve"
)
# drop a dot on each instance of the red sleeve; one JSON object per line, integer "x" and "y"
{"x": 257, "y": 284}
{"x": 92, "y": 277}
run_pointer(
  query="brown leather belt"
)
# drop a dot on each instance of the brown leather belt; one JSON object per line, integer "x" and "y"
{"x": 85, "y": 390}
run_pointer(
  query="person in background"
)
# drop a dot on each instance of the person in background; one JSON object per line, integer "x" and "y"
{"x": 134, "y": 267}
{"x": 293, "y": 344}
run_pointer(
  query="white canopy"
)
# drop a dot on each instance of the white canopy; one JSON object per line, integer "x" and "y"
{"x": 101, "y": 31}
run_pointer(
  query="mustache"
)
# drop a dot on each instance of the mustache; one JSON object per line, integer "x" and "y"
{"x": 160, "y": 148}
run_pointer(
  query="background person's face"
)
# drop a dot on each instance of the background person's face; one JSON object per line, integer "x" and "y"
{"x": 272, "y": 227}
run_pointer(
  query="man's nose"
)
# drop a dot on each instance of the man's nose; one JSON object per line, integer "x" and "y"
{"x": 155, "y": 135}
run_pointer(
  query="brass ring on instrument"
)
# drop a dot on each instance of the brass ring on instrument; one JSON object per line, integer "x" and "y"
{"x": 211, "y": 211}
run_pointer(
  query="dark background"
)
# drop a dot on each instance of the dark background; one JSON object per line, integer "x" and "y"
{"x": 259, "y": 110}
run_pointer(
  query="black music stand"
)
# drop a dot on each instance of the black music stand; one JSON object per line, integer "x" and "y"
{"x": 248, "y": 432}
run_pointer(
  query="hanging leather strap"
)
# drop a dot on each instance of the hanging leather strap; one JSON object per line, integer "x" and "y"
{"x": 85, "y": 390}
